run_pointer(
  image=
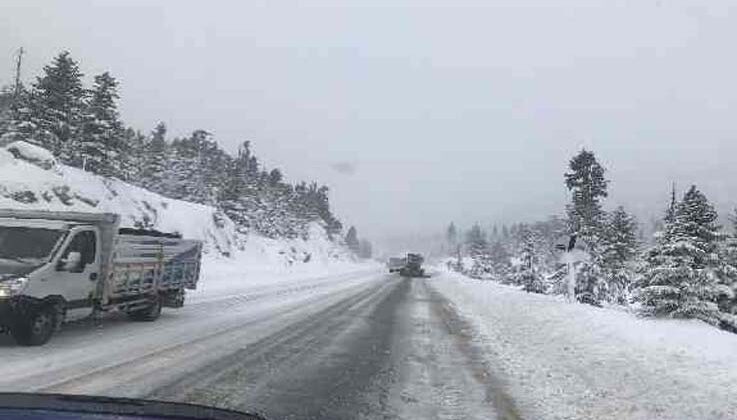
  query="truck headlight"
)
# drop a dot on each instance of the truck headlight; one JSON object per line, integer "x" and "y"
{"x": 13, "y": 286}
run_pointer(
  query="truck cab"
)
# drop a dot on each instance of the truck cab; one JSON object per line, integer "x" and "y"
{"x": 48, "y": 271}
{"x": 71, "y": 273}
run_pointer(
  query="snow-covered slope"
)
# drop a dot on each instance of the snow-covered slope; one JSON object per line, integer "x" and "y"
{"x": 30, "y": 178}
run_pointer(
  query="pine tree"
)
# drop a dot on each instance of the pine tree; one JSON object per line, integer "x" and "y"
{"x": 477, "y": 249}
{"x": 588, "y": 186}
{"x": 529, "y": 274}
{"x": 500, "y": 260}
{"x": 728, "y": 300}
{"x": 191, "y": 175}
{"x": 476, "y": 243}
{"x": 19, "y": 123}
{"x": 133, "y": 156}
{"x": 451, "y": 238}
{"x": 102, "y": 147}
{"x": 670, "y": 212}
{"x": 682, "y": 275}
{"x": 351, "y": 240}
{"x": 6, "y": 102}
{"x": 155, "y": 160}
{"x": 275, "y": 177}
{"x": 57, "y": 104}
{"x": 619, "y": 248}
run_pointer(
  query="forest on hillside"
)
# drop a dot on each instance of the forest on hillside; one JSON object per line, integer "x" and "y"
{"x": 82, "y": 126}
{"x": 688, "y": 269}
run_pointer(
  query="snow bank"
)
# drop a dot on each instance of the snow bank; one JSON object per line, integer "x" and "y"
{"x": 570, "y": 361}
{"x": 27, "y": 180}
{"x": 32, "y": 153}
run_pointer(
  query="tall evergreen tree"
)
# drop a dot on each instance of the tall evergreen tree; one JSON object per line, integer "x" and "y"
{"x": 588, "y": 186}
{"x": 194, "y": 169}
{"x": 134, "y": 156}
{"x": 728, "y": 301}
{"x": 18, "y": 120}
{"x": 155, "y": 160}
{"x": 351, "y": 240}
{"x": 275, "y": 177}
{"x": 57, "y": 104}
{"x": 619, "y": 248}
{"x": 670, "y": 212}
{"x": 102, "y": 146}
{"x": 476, "y": 243}
{"x": 477, "y": 248}
{"x": 682, "y": 275}
{"x": 451, "y": 238}
{"x": 529, "y": 274}
{"x": 499, "y": 257}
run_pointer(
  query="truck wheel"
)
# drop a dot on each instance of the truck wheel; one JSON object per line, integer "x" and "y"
{"x": 37, "y": 328}
{"x": 148, "y": 314}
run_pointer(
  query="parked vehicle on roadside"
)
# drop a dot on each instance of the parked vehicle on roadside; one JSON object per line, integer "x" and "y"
{"x": 64, "y": 266}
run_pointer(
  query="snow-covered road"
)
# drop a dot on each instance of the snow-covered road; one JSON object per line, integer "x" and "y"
{"x": 356, "y": 345}
{"x": 364, "y": 344}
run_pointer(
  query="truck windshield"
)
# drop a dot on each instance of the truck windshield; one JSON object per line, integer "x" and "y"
{"x": 25, "y": 243}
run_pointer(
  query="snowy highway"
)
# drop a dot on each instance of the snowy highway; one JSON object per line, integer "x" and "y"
{"x": 357, "y": 345}
{"x": 363, "y": 344}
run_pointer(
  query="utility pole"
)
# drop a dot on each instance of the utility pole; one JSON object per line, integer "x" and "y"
{"x": 18, "y": 63}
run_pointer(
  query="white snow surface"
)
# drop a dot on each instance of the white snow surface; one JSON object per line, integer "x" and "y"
{"x": 25, "y": 182}
{"x": 571, "y": 361}
{"x": 31, "y": 152}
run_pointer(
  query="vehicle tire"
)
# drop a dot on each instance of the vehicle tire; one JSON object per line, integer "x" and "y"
{"x": 148, "y": 314}
{"x": 36, "y": 328}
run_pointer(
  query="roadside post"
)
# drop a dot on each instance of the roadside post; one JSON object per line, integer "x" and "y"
{"x": 570, "y": 256}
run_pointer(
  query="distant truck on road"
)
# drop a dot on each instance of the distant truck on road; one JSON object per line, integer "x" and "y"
{"x": 395, "y": 264}
{"x": 63, "y": 266}
{"x": 412, "y": 266}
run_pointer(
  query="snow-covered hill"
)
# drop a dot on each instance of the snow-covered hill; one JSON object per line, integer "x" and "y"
{"x": 31, "y": 178}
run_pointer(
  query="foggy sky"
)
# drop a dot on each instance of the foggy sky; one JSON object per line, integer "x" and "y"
{"x": 419, "y": 113}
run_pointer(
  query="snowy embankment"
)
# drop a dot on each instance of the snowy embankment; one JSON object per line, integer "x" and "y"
{"x": 573, "y": 361}
{"x": 31, "y": 179}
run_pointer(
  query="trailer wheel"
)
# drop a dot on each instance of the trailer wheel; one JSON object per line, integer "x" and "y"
{"x": 36, "y": 328}
{"x": 148, "y": 314}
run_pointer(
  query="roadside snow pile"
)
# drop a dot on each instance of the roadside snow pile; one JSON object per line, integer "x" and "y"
{"x": 31, "y": 179}
{"x": 32, "y": 153}
{"x": 565, "y": 361}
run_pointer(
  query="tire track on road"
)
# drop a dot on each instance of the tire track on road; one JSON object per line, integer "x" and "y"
{"x": 108, "y": 375}
{"x": 463, "y": 333}
{"x": 321, "y": 367}
{"x": 261, "y": 356}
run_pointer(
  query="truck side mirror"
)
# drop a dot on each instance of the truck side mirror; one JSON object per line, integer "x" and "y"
{"x": 72, "y": 263}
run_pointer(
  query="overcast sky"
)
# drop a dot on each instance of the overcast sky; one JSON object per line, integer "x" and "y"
{"x": 419, "y": 113}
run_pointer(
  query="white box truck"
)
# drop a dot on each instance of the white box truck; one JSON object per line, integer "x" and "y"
{"x": 63, "y": 266}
